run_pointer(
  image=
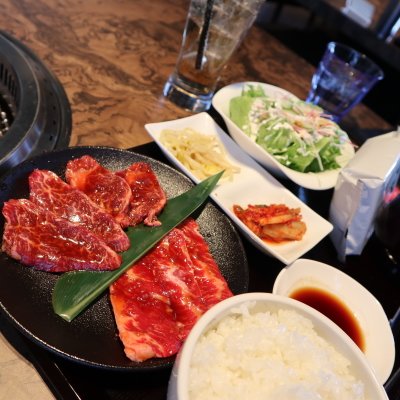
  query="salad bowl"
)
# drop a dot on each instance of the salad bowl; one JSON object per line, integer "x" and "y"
{"x": 310, "y": 180}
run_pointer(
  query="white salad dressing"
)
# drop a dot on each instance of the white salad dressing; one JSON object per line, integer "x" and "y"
{"x": 296, "y": 133}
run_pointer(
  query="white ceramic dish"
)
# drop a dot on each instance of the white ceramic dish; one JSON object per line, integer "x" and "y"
{"x": 378, "y": 336}
{"x": 252, "y": 185}
{"x": 360, "y": 368}
{"x": 315, "y": 181}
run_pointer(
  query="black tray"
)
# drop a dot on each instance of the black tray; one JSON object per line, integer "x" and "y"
{"x": 69, "y": 380}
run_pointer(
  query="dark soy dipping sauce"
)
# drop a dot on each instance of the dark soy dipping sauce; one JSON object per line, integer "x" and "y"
{"x": 332, "y": 307}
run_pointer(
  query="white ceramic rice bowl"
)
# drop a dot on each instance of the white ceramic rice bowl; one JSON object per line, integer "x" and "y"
{"x": 178, "y": 388}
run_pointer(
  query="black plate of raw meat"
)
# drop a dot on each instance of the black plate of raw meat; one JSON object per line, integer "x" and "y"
{"x": 92, "y": 338}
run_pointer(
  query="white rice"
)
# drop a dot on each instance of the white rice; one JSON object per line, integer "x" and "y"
{"x": 269, "y": 355}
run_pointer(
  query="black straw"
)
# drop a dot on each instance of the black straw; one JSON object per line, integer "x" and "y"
{"x": 204, "y": 34}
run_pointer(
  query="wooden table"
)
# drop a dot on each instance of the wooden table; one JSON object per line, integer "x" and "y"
{"x": 113, "y": 58}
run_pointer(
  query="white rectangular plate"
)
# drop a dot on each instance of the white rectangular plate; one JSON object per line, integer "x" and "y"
{"x": 252, "y": 185}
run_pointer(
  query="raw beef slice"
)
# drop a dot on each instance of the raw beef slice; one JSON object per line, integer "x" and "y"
{"x": 213, "y": 285}
{"x": 158, "y": 300}
{"x": 40, "y": 239}
{"x": 50, "y": 192}
{"x": 173, "y": 269}
{"x": 107, "y": 190}
{"x": 144, "y": 316}
{"x": 148, "y": 197}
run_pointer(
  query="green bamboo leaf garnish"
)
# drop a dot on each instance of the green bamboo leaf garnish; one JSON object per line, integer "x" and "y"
{"x": 75, "y": 291}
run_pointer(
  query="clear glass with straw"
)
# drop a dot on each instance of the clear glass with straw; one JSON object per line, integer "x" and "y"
{"x": 213, "y": 31}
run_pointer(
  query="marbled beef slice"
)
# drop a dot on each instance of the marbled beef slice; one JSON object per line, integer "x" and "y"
{"x": 40, "y": 239}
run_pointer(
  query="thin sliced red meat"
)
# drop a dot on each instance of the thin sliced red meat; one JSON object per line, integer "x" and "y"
{"x": 50, "y": 192}
{"x": 40, "y": 239}
{"x": 148, "y": 197}
{"x": 106, "y": 189}
{"x": 173, "y": 270}
{"x": 157, "y": 301}
{"x": 213, "y": 285}
{"x": 145, "y": 320}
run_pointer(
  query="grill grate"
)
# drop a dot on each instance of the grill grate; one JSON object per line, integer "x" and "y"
{"x": 4, "y": 122}
{"x": 35, "y": 114}
{"x": 8, "y": 98}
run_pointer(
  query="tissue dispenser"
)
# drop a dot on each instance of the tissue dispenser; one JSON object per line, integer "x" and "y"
{"x": 359, "y": 190}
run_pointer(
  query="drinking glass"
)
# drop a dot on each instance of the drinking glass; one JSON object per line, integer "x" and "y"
{"x": 343, "y": 77}
{"x": 213, "y": 31}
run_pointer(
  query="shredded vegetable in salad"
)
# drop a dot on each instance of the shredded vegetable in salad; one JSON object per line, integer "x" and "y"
{"x": 202, "y": 154}
{"x": 296, "y": 133}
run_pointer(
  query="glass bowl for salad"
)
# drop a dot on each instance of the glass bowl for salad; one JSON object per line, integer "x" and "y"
{"x": 289, "y": 137}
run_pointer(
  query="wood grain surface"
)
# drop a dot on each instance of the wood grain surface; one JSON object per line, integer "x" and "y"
{"x": 113, "y": 58}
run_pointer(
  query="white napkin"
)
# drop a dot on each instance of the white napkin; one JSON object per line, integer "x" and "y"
{"x": 359, "y": 191}
{"x": 360, "y": 11}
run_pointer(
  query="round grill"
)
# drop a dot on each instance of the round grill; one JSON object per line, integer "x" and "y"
{"x": 35, "y": 115}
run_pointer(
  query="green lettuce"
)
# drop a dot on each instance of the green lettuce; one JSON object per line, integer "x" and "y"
{"x": 277, "y": 135}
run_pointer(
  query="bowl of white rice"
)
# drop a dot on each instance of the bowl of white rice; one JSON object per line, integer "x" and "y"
{"x": 265, "y": 346}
